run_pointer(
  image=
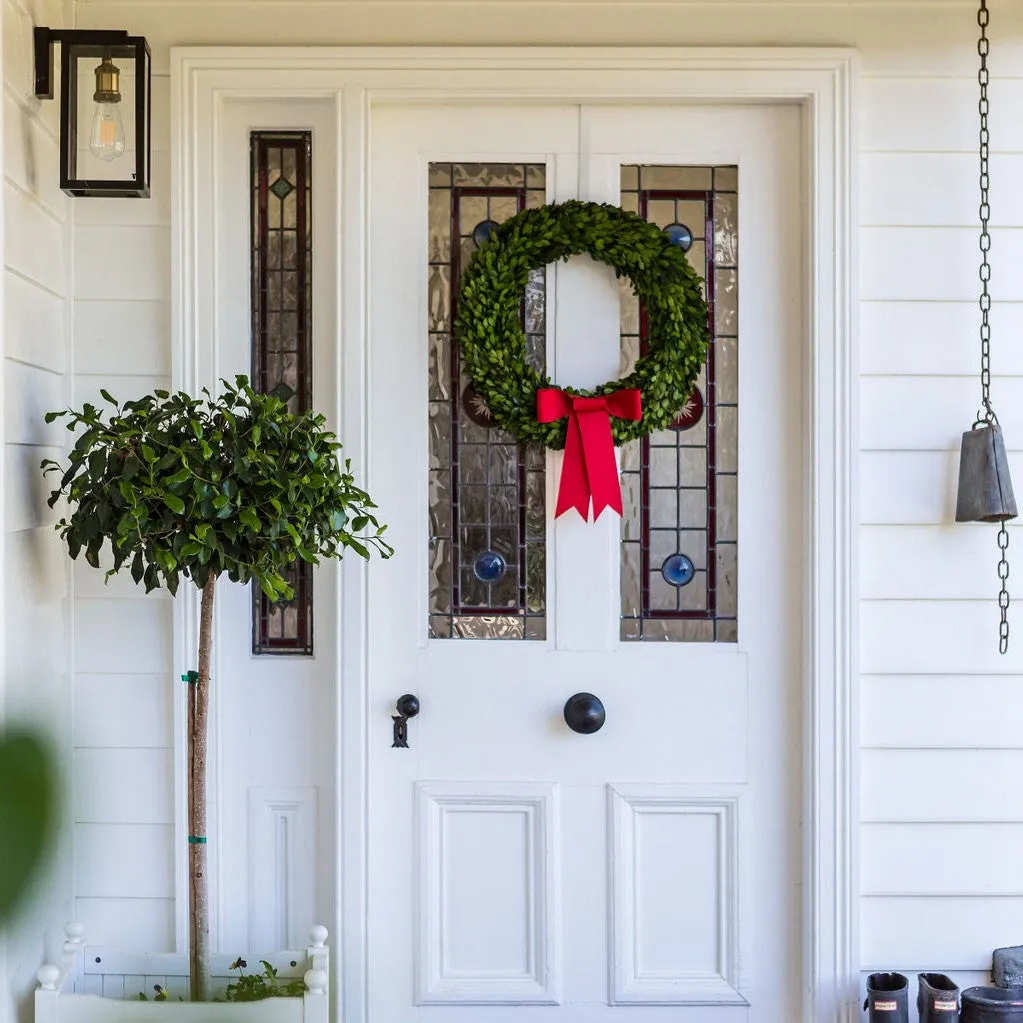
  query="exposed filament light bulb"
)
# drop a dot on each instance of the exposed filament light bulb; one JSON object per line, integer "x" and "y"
{"x": 107, "y": 138}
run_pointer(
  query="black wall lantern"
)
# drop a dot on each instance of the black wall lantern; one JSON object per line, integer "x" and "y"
{"x": 105, "y": 109}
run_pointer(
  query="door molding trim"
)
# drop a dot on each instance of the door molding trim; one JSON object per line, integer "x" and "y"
{"x": 823, "y": 82}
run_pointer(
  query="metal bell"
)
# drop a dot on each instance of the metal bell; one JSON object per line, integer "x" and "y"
{"x": 985, "y": 489}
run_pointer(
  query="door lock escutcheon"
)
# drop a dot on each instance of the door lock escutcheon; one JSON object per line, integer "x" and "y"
{"x": 407, "y": 707}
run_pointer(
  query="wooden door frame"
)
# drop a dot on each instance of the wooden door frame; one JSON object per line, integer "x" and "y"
{"x": 355, "y": 80}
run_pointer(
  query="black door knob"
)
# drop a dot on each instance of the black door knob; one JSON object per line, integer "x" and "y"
{"x": 407, "y": 706}
{"x": 584, "y": 713}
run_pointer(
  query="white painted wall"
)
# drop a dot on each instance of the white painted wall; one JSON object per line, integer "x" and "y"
{"x": 35, "y": 680}
{"x": 942, "y": 827}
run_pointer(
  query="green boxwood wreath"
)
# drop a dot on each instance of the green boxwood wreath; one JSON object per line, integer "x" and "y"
{"x": 493, "y": 343}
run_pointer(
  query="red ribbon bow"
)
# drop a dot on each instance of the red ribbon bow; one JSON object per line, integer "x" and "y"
{"x": 589, "y": 470}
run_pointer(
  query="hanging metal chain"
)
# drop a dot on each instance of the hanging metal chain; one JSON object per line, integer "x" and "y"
{"x": 986, "y": 415}
{"x": 1003, "y": 593}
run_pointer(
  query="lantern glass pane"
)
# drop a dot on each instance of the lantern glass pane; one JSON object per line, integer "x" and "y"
{"x": 105, "y": 109}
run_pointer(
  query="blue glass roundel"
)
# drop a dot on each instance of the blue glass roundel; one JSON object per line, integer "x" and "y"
{"x": 489, "y": 567}
{"x": 678, "y": 570}
{"x": 680, "y": 235}
{"x": 483, "y": 230}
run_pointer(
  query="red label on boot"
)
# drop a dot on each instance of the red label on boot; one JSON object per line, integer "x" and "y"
{"x": 945, "y": 1006}
{"x": 886, "y": 1006}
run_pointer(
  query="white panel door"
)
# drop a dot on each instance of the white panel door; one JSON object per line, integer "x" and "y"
{"x": 650, "y": 870}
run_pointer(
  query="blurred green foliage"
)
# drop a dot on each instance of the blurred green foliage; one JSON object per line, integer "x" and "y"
{"x": 28, "y": 801}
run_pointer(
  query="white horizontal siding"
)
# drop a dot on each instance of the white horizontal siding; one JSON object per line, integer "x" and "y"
{"x": 129, "y": 636}
{"x": 929, "y": 413}
{"x": 893, "y": 189}
{"x": 29, "y": 393}
{"x": 122, "y": 262}
{"x": 121, "y": 337}
{"x": 942, "y": 860}
{"x": 127, "y": 923}
{"x": 938, "y": 114}
{"x": 942, "y": 785}
{"x": 921, "y": 931}
{"x": 909, "y": 487}
{"x": 913, "y": 338}
{"x": 131, "y": 711}
{"x": 931, "y": 637}
{"x": 942, "y": 711}
{"x": 124, "y": 786}
{"x": 938, "y": 704}
{"x": 124, "y": 861}
{"x": 936, "y": 264}
{"x": 927, "y": 562}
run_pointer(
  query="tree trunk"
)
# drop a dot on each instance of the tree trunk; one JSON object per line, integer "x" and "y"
{"x": 198, "y": 882}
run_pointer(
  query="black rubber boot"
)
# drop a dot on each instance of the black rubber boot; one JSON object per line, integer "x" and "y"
{"x": 937, "y": 999}
{"x": 887, "y": 998}
{"x": 993, "y": 1005}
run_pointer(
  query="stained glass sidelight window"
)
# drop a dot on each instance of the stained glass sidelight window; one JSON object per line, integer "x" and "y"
{"x": 281, "y": 265}
{"x": 680, "y": 486}
{"x": 487, "y": 492}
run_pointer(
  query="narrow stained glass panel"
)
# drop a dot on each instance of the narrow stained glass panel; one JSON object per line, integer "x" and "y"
{"x": 487, "y": 569}
{"x": 679, "y": 549}
{"x": 281, "y": 269}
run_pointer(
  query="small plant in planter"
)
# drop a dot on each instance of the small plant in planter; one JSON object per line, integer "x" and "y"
{"x": 247, "y": 987}
{"x": 196, "y": 488}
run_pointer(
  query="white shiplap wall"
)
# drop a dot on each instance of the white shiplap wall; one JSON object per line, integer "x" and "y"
{"x": 942, "y": 814}
{"x": 124, "y": 810}
{"x": 35, "y": 684}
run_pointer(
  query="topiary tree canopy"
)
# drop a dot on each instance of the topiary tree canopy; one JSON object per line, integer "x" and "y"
{"x": 196, "y": 488}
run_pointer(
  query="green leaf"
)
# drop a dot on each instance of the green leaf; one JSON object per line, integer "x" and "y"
{"x": 148, "y": 453}
{"x": 175, "y": 503}
{"x": 250, "y": 519}
{"x": 28, "y": 802}
{"x": 178, "y": 477}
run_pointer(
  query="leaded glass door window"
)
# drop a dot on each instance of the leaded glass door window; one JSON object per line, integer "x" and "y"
{"x": 679, "y": 545}
{"x": 680, "y": 486}
{"x": 281, "y": 262}
{"x": 487, "y": 499}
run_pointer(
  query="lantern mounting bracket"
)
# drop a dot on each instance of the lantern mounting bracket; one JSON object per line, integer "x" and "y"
{"x": 43, "y": 39}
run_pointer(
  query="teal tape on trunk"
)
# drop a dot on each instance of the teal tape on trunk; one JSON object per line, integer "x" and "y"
{"x": 196, "y": 840}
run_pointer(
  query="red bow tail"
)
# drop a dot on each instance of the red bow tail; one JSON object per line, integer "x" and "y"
{"x": 589, "y": 471}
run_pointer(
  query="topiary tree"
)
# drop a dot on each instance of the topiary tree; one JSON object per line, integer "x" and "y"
{"x": 196, "y": 488}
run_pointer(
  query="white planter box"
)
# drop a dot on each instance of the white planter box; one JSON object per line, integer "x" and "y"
{"x": 101, "y": 985}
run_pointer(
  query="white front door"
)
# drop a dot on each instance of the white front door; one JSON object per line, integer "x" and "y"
{"x": 651, "y": 869}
